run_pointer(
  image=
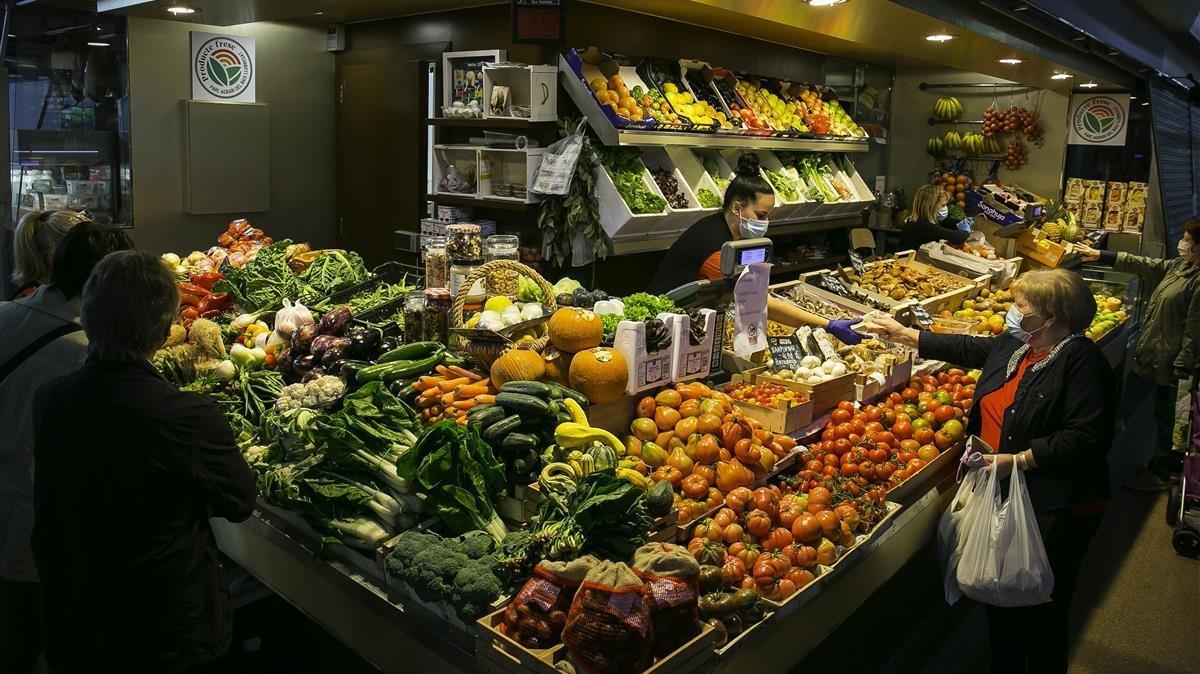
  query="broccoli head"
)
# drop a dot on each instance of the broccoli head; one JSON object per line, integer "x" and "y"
{"x": 432, "y": 572}
{"x": 474, "y": 589}
{"x": 408, "y": 545}
{"x": 477, "y": 544}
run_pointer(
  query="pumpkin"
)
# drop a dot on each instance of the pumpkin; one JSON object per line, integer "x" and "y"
{"x": 558, "y": 365}
{"x": 600, "y": 374}
{"x": 573, "y": 329}
{"x": 517, "y": 365}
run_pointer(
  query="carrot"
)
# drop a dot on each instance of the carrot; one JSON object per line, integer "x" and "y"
{"x": 444, "y": 371}
{"x": 450, "y": 384}
{"x": 464, "y": 392}
{"x": 427, "y": 401}
{"x": 461, "y": 421}
{"x": 434, "y": 392}
{"x": 447, "y": 399}
{"x": 463, "y": 372}
{"x": 427, "y": 381}
{"x": 485, "y": 399}
{"x": 463, "y": 404}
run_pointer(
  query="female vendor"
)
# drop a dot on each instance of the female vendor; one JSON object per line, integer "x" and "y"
{"x": 930, "y": 220}
{"x": 749, "y": 201}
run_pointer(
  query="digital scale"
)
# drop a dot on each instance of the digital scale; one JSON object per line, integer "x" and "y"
{"x": 735, "y": 256}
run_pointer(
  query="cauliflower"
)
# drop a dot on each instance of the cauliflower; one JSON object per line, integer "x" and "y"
{"x": 316, "y": 393}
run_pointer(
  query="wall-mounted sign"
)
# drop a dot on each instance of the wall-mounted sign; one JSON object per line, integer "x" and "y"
{"x": 223, "y": 67}
{"x": 1098, "y": 119}
{"x": 537, "y": 21}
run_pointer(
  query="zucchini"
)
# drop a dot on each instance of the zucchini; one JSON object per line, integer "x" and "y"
{"x": 573, "y": 395}
{"x": 563, "y": 417}
{"x": 519, "y": 402}
{"x": 350, "y": 368}
{"x": 486, "y": 415}
{"x": 398, "y": 369}
{"x": 531, "y": 388}
{"x": 414, "y": 351}
{"x": 495, "y": 433}
{"x": 519, "y": 441}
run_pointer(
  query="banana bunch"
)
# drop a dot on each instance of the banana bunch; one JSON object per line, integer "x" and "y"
{"x": 972, "y": 143}
{"x": 947, "y": 108}
{"x": 991, "y": 145}
{"x": 952, "y": 141}
{"x": 936, "y": 147}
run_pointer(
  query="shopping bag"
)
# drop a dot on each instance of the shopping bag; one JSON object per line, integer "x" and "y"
{"x": 1003, "y": 561}
{"x": 951, "y": 534}
{"x": 558, "y": 164}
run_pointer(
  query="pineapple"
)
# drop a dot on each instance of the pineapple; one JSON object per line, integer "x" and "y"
{"x": 1054, "y": 229}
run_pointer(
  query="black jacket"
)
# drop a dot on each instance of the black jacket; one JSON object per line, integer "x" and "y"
{"x": 913, "y": 234}
{"x": 128, "y": 472}
{"x": 1063, "y": 411}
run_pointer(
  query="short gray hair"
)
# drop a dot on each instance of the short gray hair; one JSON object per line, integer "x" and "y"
{"x": 129, "y": 303}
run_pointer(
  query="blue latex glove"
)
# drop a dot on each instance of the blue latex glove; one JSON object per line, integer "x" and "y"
{"x": 841, "y": 329}
{"x": 964, "y": 224}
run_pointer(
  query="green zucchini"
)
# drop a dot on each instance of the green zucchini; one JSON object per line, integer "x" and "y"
{"x": 519, "y": 402}
{"x": 532, "y": 388}
{"x": 486, "y": 415}
{"x": 573, "y": 395}
{"x": 398, "y": 369}
{"x": 495, "y": 433}
{"x": 414, "y": 351}
{"x": 519, "y": 441}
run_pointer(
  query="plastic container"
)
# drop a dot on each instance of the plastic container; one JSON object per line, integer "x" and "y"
{"x": 459, "y": 271}
{"x": 502, "y": 247}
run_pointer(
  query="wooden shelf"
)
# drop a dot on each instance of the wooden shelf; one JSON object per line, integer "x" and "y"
{"x": 807, "y": 265}
{"x": 493, "y": 123}
{"x": 483, "y": 202}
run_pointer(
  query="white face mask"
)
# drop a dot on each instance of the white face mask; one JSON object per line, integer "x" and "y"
{"x": 751, "y": 228}
{"x": 943, "y": 214}
{"x": 1185, "y": 248}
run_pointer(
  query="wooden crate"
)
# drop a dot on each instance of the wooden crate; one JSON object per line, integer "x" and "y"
{"x": 917, "y": 482}
{"x": 615, "y": 416}
{"x": 779, "y": 421}
{"x": 803, "y": 595}
{"x": 521, "y": 505}
{"x": 866, "y": 390}
{"x": 779, "y": 290}
{"x": 823, "y": 396}
{"x": 743, "y": 639}
{"x": 860, "y": 540}
{"x": 665, "y": 529}
{"x": 901, "y": 373}
{"x": 950, "y": 300}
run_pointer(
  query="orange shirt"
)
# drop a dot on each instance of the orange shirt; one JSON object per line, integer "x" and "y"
{"x": 993, "y": 405}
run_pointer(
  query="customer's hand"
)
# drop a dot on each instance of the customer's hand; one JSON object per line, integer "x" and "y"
{"x": 888, "y": 328}
{"x": 1089, "y": 254}
{"x": 1002, "y": 462}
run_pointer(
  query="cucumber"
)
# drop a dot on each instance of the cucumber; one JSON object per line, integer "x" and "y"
{"x": 495, "y": 433}
{"x": 486, "y": 415}
{"x": 573, "y": 395}
{"x": 519, "y": 402}
{"x": 398, "y": 369}
{"x": 563, "y": 417}
{"x": 519, "y": 441}
{"x": 414, "y": 351}
{"x": 531, "y": 388}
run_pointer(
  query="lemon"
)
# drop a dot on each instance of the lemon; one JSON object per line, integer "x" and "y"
{"x": 472, "y": 322}
{"x": 498, "y": 303}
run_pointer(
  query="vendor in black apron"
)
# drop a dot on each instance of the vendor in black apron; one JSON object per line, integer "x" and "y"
{"x": 696, "y": 255}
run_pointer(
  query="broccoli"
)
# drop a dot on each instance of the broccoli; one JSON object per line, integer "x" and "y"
{"x": 432, "y": 572}
{"x": 476, "y": 544}
{"x": 475, "y": 588}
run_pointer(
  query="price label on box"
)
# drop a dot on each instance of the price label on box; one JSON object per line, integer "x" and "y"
{"x": 857, "y": 263}
{"x": 785, "y": 352}
{"x": 832, "y": 284}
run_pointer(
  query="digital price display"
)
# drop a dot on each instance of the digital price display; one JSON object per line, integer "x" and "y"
{"x": 751, "y": 256}
{"x": 737, "y": 255}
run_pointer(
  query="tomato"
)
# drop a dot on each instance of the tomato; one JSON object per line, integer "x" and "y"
{"x": 943, "y": 397}
{"x": 831, "y": 460}
{"x": 878, "y": 455}
{"x": 873, "y": 427}
{"x": 830, "y": 471}
{"x": 889, "y": 417}
{"x": 909, "y": 445}
{"x": 737, "y": 499}
{"x": 883, "y": 471}
{"x": 747, "y": 552}
{"x": 778, "y": 539}
{"x": 758, "y": 523}
{"x": 923, "y": 435}
{"x": 909, "y": 394}
{"x": 820, "y": 495}
{"x": 645, "y": 407}
{"x": 788, "y": 513}
{"x": 725, "y": 516}
{"x": 806, "y": 528}
{"x": 814, "y": 465}
{"x": 886, "y": 437}
{"x": 858, "y": 426}
{"x": 839, "y": 416}
{"x": 953, "y": 429}
{"x": 735, "y": 569}
{"x": 906, "y": 456}
{"x": 848, "y": 515}
{"x": 871, "y": 413}
{"x": 766, "y": 501}
{"x": 733, "y": 533}
{"x": 709, "y": 529}
{"x": 694, "y": 486}
{"x": 842, "y": 430}
{"x": 927, "y": 453}
{"x": 915, "y": 465}
{"x": 841, "y": 446}
{"x": 942, "y": 441}
{"x": 902, "y": 429}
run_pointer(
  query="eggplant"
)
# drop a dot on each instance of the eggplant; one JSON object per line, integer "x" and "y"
{"x": 336, "y": 351}
{"x": 348, "y": 369}
{"x": 334, "y": 322}
{"x": 302, "y": 338}
{"x": 321, "y": 344}
{"x": 315, "y": 373}
{"x": 304, "y": 364}
{"x": 363, "y": 340}
{"x": 386, "y": 344}
{"x": 284, "y": 361}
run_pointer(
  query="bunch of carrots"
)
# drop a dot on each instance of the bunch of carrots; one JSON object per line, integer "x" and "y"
{"x": 451, "y": 393}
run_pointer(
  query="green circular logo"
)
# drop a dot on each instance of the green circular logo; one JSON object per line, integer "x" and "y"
{"x": 223, "y": 67}
{"x": 1098, "y": 119}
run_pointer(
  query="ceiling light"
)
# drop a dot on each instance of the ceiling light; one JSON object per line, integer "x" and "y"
{"x": 1145, "y": 102}
{"x": 98, "y": 44}
{"x": 181, "y": 10}
{"x": 1011, "y": 62}
{"x": 1061, "y": 76}
{"x": 824, "y": 3}
{"x": 1088, "y": 85}
{"x": 939, "y": 37}
{"x": 1133, "y": 98}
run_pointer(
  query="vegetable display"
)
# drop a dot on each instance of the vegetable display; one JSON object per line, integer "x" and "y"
{"x": 464, "y": 572}
{"x": 625, "y": 167}
{"x": 783, "y": 185}
{"x": 264, "y": 282}
{"x": 707, "y": 199}
{"x": 330, "y": 272}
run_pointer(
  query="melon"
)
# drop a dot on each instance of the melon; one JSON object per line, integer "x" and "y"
{"x": 517, "y": 365}
{"x": 600, "y": 374}
{"x": 573, "y": 329}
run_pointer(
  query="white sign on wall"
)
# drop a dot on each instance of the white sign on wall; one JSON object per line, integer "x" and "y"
{"x": 223, "y": 67}
{"x": 1098, "y": 119}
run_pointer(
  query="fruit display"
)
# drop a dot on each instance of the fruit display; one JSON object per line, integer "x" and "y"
{"x": 894, "y": 279}
{"x": 935, "y": 146}
{"x": 766, "y": 395}
{"x": 986, "y": 312}
{"x": 770, "y": 108}
{"x": 1060, "y": 225}
{"x": 1110, "y": 312}
{"x": 1012, "y": 120}
{"x": 669, "y": 185}
{"x": 692, "y": 437}
{"x": 707, "y": 97}
{"x": 947, "y": 108}
{"x": 956, "y": 184}
{"x": 700, "y": 112}
{"x": 1016, "y": 155}
{"x": 850, "y": 293}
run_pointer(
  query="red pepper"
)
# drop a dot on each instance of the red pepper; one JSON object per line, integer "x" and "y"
{"x": 190, "y": 299}
{"x": 207, "y": 279}
{"x": 193, "y": 289}
{"x": 216, "y": 302}
{"x": 189, "y": 313}
{"x": 211, "y": 313}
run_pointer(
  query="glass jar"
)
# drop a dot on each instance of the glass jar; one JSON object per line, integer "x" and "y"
{"x": 414, "y": 316}
{"x": 464, "y": 242}
{"x": 502, "y": 247}
{"x": 459, "y": 271}
{"x": 435, "y": 324}
{"x": 437, "y": 263}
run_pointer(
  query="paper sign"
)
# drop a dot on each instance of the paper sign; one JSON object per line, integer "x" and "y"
{"x": 856, "y": 262}
{"x": 919, "y": 315}
{"x": 785, "y": 352}
{"x": 832, "y": 284}
{"x": 750, "y": 317}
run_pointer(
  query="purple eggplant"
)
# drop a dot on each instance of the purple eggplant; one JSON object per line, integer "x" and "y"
{"x": 315, "y": 373}
{"x": 304, "y": 364}
{"x": 321, "y": 344}
{"x": 334, "y": 322}
{"x": 336, "y": 351}
{"x": 303, "y": 337}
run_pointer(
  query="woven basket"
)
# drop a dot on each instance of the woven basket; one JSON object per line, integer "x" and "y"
{"x": 486, "y": 353}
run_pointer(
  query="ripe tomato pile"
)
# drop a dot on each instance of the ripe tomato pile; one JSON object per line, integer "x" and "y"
{"x": 877, "y": 447}
{"x": 766, "y": 395}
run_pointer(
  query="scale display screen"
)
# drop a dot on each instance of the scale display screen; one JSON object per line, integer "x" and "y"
{"x": 751, "y": 255}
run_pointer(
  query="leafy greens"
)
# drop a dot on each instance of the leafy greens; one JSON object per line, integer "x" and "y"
{"x": 262, "y": 283}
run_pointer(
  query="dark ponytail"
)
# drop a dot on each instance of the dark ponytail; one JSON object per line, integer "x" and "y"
{"x": 748, "y": 182}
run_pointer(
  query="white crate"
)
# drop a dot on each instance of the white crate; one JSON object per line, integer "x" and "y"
{"x": 464, "y": 159}
{"x": 646, "y": 370}
{"x": 618, "y": 220}
{"x": 723, "y": 167}
{"x": 694, "y": 362}
{"x": 677, "y": 218}
{"x": 509, "y": 165}
{"x": 533, "y": 87}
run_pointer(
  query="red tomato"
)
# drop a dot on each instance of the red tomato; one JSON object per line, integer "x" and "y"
{"x": 903, "y": 430}
{"x": 841, "y": 446}
{"x": 839, "y": 416}
{"x": 877, "y": 455}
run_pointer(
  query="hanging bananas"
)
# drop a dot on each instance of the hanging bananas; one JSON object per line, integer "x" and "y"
{"x": 947, "y": 108}
{"x": 936, "y": 147}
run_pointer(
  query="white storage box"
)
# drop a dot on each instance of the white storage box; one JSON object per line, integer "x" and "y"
{"x": 531, "y": 90}
{"x": 698, "y": 361}
{"x": 646, "y": 370}
{"x": 618, "y": 220}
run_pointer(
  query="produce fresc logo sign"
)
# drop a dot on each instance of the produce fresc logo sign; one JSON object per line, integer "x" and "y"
{"x": 222, "y": 67}
{"x": 1099, "y": 120}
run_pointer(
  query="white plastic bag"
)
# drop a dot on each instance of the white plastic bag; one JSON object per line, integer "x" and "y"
{"x": 1003, "y": 561}
{"x": 952, "y": 534}
{"x": 558, "y": 164}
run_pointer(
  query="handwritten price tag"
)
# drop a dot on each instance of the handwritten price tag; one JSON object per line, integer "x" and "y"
{"x": 856, "y": 262}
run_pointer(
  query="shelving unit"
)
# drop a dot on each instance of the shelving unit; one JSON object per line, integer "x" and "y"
{"x": 487, "y": 123}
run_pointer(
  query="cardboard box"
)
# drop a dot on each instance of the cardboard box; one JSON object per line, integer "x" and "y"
{"x": 1115, "y": 193}
{"x": 1073, "y": 193}
{"x": 1040, "y": 250}
{"x": 1092, "y": 215}
{"x": 1114, "y": 217}
{"x": 1134, "y": 217}
{"x": 1136, "y": 193}
{"x": 1093, "y": 191}
{"x": 646, "y": 370}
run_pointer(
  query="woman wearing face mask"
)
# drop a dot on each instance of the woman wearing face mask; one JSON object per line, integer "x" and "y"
{"x": 696, "y": 255}
{"x": 1169, "y": 346}
{"x": 930, "y": 220}
{"x": 1045, "y": 401}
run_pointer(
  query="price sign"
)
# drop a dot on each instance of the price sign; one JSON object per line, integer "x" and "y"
{"x": 919, "y": 315}
{"x": 785, "y": 352}
{"x": 832, "y": 284}
{"x": 856, "y": 262}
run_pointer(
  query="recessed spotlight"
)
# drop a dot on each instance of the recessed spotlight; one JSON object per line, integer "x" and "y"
{"x": 1061, "y": 76}
{"x": 1145, "y": 102}
{"x": 1011, "y": 62}
{"x": 181, "y": 10}
{"x": 1133, "y": 98}
{"x": 98, "y": 44}
{"x": 824, "y": 3}
{"x": 939, "y": 37}
{"x": 1088, "y": 85}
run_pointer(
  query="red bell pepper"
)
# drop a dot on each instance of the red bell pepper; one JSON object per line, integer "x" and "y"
{"x": 215, "y": 302}
{"x": 207, "y": 279}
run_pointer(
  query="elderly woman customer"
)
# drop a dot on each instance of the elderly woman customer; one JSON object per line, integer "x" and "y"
{"x": 1045, "y": 401}
{"x": 40, "y": 340}
{"x": 1168, "y": 348}
{"x": 37, "y": 236}
{"x": 144, "y": 466}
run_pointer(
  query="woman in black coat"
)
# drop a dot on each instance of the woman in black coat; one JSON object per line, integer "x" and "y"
{"x": 1045, "y": 400}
